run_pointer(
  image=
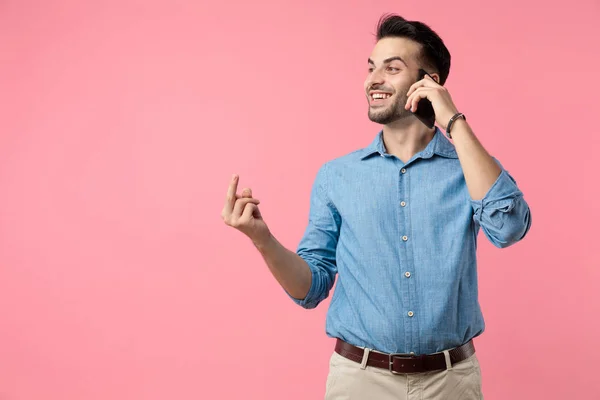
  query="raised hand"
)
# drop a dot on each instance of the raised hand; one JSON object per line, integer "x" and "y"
{"x": 241, "y": 212}
{"x": 438, "y": 95}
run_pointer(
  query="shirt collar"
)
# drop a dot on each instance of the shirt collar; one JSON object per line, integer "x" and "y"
{"x": 438, "y": 145}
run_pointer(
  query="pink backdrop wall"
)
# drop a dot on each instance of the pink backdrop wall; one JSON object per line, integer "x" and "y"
{"x": 122, "y": 121}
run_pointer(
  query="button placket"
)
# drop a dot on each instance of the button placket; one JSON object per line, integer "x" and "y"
{"x": 408, "y": 288}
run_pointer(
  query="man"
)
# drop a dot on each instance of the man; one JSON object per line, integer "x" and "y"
{"x": 398, "y": 222}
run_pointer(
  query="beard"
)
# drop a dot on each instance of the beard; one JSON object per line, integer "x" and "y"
{"x": 392, "y": 112}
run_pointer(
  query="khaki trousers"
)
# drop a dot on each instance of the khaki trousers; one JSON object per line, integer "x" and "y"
{"x": 347, "y": 380}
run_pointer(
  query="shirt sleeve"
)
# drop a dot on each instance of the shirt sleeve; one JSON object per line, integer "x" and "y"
{"x": 503, "y": 214}
{"x": 318, "y": 245}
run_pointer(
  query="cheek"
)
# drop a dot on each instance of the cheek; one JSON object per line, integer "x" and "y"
{"x": 401, "y": 84}
{"x": 401, "y": 91}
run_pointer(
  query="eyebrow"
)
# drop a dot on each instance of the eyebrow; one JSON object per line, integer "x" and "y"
{"x": 388, "y": 60}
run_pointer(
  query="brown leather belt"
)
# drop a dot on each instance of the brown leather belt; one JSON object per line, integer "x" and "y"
{"x": 398, "y": 363}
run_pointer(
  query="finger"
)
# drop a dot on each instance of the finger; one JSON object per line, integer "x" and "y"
{"x": 426, "y": 82}
{"x": 420, "y": 94}
{"x": 414, "y": 87}
{"x": 247, "y": 192}
{"x": 231, "y": 195}
{"x": 250, "y": 211}
{"x": 414, "y": 98}
{"x": 240, "y": 204}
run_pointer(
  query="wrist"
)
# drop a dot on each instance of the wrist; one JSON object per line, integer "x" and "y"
{"x": 264, "y": 242}
{"x": 457, "y": 119}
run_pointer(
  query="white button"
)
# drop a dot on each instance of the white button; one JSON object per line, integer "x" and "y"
{"x": 403, "y": 204}
{"x": 410, "y": 313}
{"x": 403, "y": 170}
{"x": 412, "y": 353}
{"x": 407, "y": 274}
{"x": 405, "y": 238}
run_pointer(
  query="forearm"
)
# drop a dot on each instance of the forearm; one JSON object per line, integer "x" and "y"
{"x": 288, "y": 268}
{"x": 499, "y": 206}
{"x": 479, "y": 168}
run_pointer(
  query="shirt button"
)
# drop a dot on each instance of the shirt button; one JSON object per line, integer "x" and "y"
{"x": 403, "y": 204}
{"x": 407, "y": 274}
{"x": 412, "y": 353}
{"x": 405, "y": 238}
{"x": 410, "y": 313}
{"x": 403, "y": 170}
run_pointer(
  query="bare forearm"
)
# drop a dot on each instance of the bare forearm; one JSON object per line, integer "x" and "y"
{"x": 288, "y": 268}
{"x": 479, "y": 168}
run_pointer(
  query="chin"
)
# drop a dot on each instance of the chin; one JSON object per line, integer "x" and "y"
{"x": 379, "y": 114}
{"x": 379, "y": 119}
{"x": 385, "y": 117}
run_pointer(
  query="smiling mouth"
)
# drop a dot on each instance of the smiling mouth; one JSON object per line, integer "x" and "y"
{"x": 380, "y": 96}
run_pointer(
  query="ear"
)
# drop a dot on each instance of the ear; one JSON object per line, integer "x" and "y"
{"x": 435, "y": 77}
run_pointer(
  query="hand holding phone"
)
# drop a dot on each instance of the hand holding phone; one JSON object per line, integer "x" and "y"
{"x": 425, "y": 112}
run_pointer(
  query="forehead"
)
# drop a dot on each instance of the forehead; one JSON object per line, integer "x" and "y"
{"x": 388, "y": 47}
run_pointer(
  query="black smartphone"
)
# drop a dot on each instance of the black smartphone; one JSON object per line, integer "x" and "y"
{"x": 425, "y": 111}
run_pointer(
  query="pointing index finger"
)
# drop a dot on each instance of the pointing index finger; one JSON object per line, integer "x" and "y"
{"x": 231, "y": 193}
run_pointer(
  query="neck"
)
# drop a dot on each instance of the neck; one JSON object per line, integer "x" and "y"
{"x": 406, "y": 137}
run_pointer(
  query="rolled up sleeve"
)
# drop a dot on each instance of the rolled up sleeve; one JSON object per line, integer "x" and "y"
{"x": 503, "y": 214}
{"x": 319, "y": 242}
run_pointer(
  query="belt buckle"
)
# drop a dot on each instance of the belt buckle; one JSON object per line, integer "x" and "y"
{"x": 401, "y": 356}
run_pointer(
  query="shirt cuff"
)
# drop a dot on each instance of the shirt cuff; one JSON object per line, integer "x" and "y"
{"x": 309, "y": 300}
{"x": 502, "y": 196}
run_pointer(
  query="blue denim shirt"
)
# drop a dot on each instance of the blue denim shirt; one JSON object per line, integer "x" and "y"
{"x": 402, "y": 240}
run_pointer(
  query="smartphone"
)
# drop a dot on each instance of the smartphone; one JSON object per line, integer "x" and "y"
{"x": 425, "y": 111}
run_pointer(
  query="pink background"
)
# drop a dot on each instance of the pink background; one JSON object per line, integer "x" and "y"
{"x": 121, "y": 123}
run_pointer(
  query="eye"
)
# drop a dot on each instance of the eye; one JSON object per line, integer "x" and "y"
{"x": 393, "y": 69}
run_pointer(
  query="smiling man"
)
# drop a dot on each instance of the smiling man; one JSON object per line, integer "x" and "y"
{"x": 397, "y": 222}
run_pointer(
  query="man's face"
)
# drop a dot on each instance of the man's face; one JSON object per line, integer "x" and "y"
{"x": 393, "y": 68}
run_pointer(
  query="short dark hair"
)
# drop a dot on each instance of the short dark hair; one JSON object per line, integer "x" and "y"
{"x": 434, "y": 53}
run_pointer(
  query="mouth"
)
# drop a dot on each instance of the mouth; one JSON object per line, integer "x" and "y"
{"x": 378, "y": 97}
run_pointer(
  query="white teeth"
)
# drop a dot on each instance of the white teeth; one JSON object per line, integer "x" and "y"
{"x": 380, "y": 95}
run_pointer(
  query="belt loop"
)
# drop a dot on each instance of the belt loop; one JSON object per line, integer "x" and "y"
{"x": 447, "y": 357}
{"x": 365, "y": 358}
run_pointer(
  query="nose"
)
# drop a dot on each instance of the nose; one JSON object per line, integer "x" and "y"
{"x": 375, "y": 78}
